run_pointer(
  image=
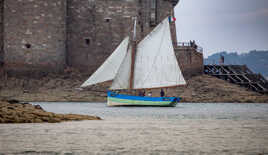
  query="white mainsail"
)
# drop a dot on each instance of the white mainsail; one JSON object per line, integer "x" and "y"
{"x": 109, "y": 68}
{"x": 156, "y": 64}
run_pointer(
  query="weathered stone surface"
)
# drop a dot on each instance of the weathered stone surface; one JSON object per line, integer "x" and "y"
{"x": 38, "y": 36}
{"x": 190, "y": 61}
{"x": 1, "y": 36}
{"x": 27, "y": 113}
{"x": 34, "y": 36}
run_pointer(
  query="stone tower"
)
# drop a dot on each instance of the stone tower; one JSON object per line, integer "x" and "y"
{"x": 40, "y": 36}
{"x": 96, "y": 27}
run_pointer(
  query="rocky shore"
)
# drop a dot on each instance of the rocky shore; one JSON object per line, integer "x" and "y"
{"x": 65, "y": 88}
{"x": 15, "y": 112}
{"x": 208, "y": 89}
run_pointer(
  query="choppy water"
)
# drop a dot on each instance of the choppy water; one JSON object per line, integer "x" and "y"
{"x": 185, "y": 129}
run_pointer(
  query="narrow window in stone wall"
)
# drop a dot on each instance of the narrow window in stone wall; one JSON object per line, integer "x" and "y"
{"x": 153, "y": 13}
{"x": 87, "y": 41}
{"x": 107, "y": 19}
{"x": 28, "y": 45}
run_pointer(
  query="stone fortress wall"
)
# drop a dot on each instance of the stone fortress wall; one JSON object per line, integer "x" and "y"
{"x": 41, "y": 36}
{"x": 34, "y": 35}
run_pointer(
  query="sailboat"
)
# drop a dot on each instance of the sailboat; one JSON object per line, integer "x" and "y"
{"x": 148, "y": 64}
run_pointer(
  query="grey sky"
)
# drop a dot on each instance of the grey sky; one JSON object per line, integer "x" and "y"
{"x": 224, "y": 25}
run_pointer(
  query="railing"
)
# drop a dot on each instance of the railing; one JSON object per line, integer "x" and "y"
{"x": 184, "y": 44}
{"x": 199, "y": 49}
{"x": 189, "y": 45}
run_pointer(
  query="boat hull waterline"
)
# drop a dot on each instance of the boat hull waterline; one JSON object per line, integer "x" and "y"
{"x": 115, "y": 99}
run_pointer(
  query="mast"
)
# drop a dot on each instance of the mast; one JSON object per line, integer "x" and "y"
{"x": 133, "y": 55}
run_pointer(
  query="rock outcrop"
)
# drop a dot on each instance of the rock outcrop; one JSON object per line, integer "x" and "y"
{"x": 15, "y": 112}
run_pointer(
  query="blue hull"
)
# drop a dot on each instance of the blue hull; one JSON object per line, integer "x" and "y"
{"x": 114, "y": 99}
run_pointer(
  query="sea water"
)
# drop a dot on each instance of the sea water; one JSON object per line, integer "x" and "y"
{"x": 186, "y": 129}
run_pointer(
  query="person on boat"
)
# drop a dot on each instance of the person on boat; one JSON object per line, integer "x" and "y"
{"x": 162, "y": 93}
{"x": 150, "y": 94}
{"x": 142, "y": 93}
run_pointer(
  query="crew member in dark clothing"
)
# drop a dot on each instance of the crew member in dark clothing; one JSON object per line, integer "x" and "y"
{"x": 162, "y": 93}
{"x": 142, "y": 93}
{"x": 191, "y": 43}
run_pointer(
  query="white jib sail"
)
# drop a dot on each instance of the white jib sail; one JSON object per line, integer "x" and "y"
{"x": 156, "y": 64}
{"x": 107, "y": 71}
{"x": 121, "y": 80}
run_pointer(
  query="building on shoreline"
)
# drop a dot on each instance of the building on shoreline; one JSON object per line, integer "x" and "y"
{"x": 39, "y": 36}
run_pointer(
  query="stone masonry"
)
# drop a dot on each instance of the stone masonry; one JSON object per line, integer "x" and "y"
{"x": 41, "y": 36}
{"x": 1, "y": 34}
{"x": 190, "y": 59}
{"x": 34, "y": 35}
{"x": 95, "y": 28}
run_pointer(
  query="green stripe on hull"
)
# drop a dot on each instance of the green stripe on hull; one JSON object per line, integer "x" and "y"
{"x": 112, "y": 101}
